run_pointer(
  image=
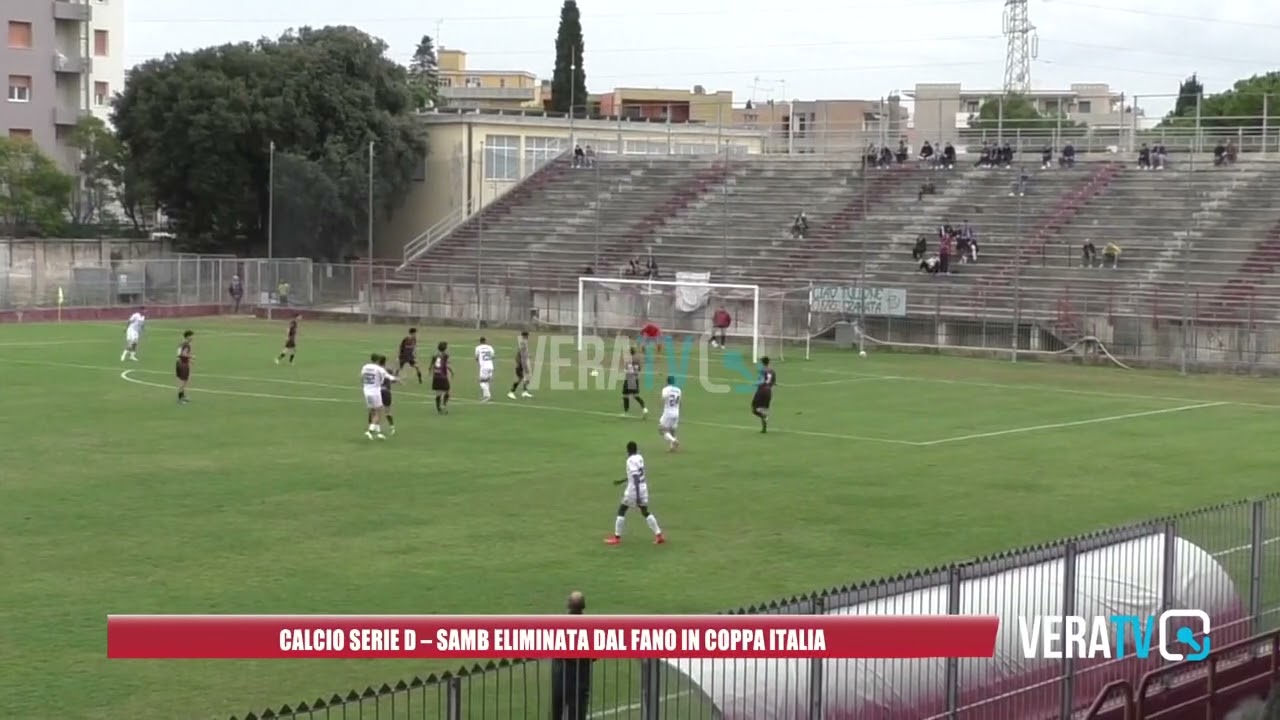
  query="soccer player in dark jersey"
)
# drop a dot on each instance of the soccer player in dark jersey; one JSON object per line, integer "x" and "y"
{"x": 183, "y": 367}
{"x": 290, "y": 341}
{"x": 764, "y": 394}
{"x": 523, "y": 368}
{"x": 409, "y": 353}
{"x": 631, "y": 369}
{"x": 440, "y": 375}
{"x": 386, "y": 397}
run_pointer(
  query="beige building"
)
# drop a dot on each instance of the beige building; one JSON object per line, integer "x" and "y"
{"x": 943, "y": 108}
{"x": 665, "y": 105}
{"x": 475, "y": 157}
{"x": 463, "y": 87}
{"x": 821, "y": 126}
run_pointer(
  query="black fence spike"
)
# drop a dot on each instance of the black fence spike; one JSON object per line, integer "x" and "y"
{"x": 302, "y": 707}
{"x": 402, "y": 685}
{"x": 336, "y": 699}
{"x": 370, "y": 692}
{"x": 285, "y": 711}
{"x": 319, "y": 704}
{"x": 445, "y": 676}
{"x": 385, "y": 689}
{"x": 250, "y": 716}
{"x": 430, "y": 679}
{"x": 491, "y": 665}
{"x": 477, "y": 669}
{"x": 268, "y": 715}
{"x": 353, "y": 696}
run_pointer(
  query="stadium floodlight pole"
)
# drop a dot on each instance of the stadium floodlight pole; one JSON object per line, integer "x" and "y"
{"x": 271, "y": 218}
{"x": 368, "y": 296}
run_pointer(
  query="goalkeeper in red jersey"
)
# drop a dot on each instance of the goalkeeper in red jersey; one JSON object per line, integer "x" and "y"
{"x": 651, "y": 335}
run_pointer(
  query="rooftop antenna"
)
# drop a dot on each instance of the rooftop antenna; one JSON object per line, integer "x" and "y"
{"x": 439, "y": 46}
{"x": 1023, "y": 47}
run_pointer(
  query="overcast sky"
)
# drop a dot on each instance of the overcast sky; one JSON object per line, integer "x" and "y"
{"x": 808, "y": 49}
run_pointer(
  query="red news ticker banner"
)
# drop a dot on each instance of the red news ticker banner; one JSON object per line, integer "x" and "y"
{"x": 474, "y": 637}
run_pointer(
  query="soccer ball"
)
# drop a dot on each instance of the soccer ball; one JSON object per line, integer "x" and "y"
{"x": 862, "y": 353}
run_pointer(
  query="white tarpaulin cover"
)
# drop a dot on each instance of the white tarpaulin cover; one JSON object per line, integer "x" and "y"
{"x": 691, "y": 296}
{"x": 1122, "y": 579}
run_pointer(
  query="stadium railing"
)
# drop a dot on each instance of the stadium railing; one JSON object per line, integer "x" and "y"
{"x": 1242, "y": 536}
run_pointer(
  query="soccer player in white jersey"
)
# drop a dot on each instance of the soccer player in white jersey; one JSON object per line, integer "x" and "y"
{"x": 636, "y": 495}
{"x": 372, "y": 377}
{"x": 670, "y": 420}
{"x": 484, "y": 367}
{"x": 132, "y": 334}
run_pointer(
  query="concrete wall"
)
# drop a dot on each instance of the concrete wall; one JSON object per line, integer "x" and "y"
{"x": 33, "y": 270}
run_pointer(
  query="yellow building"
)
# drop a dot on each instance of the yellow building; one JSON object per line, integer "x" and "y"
{"x": 475, "y": 157}
{"x": 462, "y": 87}
{"x": 666, "y": 105}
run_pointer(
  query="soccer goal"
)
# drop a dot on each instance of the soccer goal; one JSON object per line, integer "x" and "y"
{"x": 762, "y": 320}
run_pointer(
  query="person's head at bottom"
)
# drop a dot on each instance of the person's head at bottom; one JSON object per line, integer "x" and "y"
{"x": 576, "y": 604}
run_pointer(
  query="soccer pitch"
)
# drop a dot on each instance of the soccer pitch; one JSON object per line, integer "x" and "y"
{"x": 263, "y": 495}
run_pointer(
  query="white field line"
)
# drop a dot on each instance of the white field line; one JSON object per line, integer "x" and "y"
{"x": 621, "y": 709}
{"x": 1244, "y": 548}
{"x": 127, "y": 376}
{"x": 1073, "y": 423}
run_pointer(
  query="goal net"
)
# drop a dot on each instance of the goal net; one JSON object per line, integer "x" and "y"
{"x": 764, "y": 322}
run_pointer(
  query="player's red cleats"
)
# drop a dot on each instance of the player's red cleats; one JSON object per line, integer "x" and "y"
{"x": 613, "y": 540}
{"x": 659, "y": 539}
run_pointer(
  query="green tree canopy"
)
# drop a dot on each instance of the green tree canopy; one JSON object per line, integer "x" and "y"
{"x": 196, "y": 130}
{"x": 1016, "y": 112}
{"x": 33, "y": 192}
{"x": 424, "y": 75}
{"x": 1240, "y": 106}
{"x": 568, "y": 80}
{"x": 99, "y": 167}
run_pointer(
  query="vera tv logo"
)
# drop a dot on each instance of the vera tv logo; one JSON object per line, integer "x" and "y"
{"x": 1117, "y": 636}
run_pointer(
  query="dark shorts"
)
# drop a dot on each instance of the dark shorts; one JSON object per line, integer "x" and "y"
{"x": 408, "y": 360}
{"x": 630, "y": 389}
{"x": 761, "y": 400}
{"x": 386, "y": 398}
{"x": 182, "y": 371}
{"x": 290, "y": 344}
{"x": 519, "y": 372}
{"x": 439, "y": 384}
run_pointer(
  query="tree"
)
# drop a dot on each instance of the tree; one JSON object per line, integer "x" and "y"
{"x": 568, "y": 80}
{"x": 95, "y": 190}
{"x": 33, "y": 191}
{"x": 424, "y": 75}
{"x": 1243, "y": 105}
{"x": 197, "y": 128}
{"x": 1016, "y": 112}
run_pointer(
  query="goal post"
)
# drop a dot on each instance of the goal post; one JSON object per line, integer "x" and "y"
{"x": 685, "y": 306}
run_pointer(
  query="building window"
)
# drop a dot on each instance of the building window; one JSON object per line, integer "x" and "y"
{"x": 502, "y": 82}
{"x": 20, "y": 88}
{"x": 446, "y": 82}
{"x": 101, "y": 43}
{"x": 473, "y": 82}
{"x": 20, "y": 133}
{"x": 19, "y": 35}
{"x": 972, "y": 106}
{"x": 538, "y": 151}
{"x": 502, "y": 157}
{"x": 1051, "y": 106}
{"x": 1084, "y": 107}
{"x": 101, "y": 93}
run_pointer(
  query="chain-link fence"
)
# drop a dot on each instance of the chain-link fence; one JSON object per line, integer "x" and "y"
{"x": 1223, "y": 559}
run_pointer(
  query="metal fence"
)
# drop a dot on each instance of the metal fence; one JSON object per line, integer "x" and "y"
{"x": 1224, "y": 559}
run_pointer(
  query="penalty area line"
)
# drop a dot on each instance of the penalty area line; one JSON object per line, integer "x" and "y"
{"x": 1072, "y": 423}
{"x": 127, "y": 377}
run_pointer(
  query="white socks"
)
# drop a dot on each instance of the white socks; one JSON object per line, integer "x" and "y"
{"x": 652, "y": 522}
{"x": 671, "y": 439}
{"x": 375, "y": 428}
{"x": 619, "y": 524}
{"x": 484, "y": 390}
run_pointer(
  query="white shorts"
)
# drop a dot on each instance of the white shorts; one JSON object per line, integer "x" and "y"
{"x": 373, "y": 399}
{"x": 486, "y": 373}
{"x": 636, "y": 494}
{"x": 668, "y": 422}
{"x": 130, "y": 337}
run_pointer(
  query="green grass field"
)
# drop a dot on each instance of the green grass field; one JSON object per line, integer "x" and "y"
{"x": 263, "y": 496}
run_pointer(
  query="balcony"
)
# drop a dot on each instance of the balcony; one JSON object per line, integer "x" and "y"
{"x": 75, "y": 11}
{"x": 482, "y": 93}
{"x": 68, "y": 116}
{"x": 72, "y": 64}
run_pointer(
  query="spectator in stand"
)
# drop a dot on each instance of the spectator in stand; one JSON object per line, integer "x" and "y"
{"x": 1219, "y": 154}
{"x": 579, "y": 156}
{"x": 1006, "y": 155}
{"x": 1068, "y": 157}
{"x": 903, "y": 153}
{"x": 1046, "y": 157}
{"x": 886, "y": 158}
{"x": 921, "y": 247}
{"x": 926, "y": 152}
{"x": 948, "y": 156}
{"x": 970, "y": 239}
{"x": 588, "y": 271}
{"x": 634, "y": 269}
{"x": 987, "y": 159}
{"x": 590, "y": 156}
{"x": 926, "y": 188}
{"x": 1111, "y": 254}
{"x": 871, "y": 156}
{"x": 800, "y": 226}
{"x": 931, "y": 265}
{"x": 1019, "y": 187}
{"x": 236, "y": 291}
{"x": 945, "y": 246}
{"x": 720, "y": 322}
{"x": 651, "y": 268}
{"x": 1089, "y": 254}
{"x": 1233, "y": 153}
{"x": 1159, "y": 156}
{"x": 1144, "y": 157}
{"x": 282, "y": 293}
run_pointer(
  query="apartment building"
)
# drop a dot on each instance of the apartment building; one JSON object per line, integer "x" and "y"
{"x": 823, "y": 126}
{"x": 62, "y": 60}
{"x": 943, "y": 108}
{"x": 464, "y": 87}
